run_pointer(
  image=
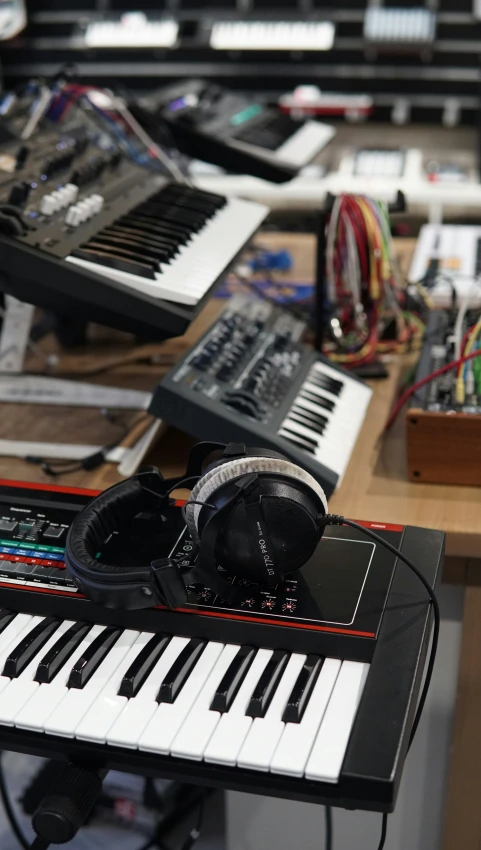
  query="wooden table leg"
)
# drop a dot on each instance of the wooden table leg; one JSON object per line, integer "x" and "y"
{"x": 462, "y": 818}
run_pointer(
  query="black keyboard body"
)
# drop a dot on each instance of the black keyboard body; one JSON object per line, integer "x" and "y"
{"x": 102, "y": 252}
{"x": 251, "y": 379}
{"x": 35, "y": 519}
{"x": 225, "y": 127}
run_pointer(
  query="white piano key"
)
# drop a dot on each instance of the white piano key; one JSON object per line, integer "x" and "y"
{"x": 21, "y": 689}
{"x": 231, "y": 732}
{"x": 265, "y": 732}
{"x": 197, "y": 730}
{"x": 77, "y": 702}
{"x": 327, "y": 756}
{"x": 132, "y": 721}
{"x": 48, "y": 696}
{"x": 167, "y": 720}
{"x": 297, "y": 739}
{"x": 28, "y": 624}
{"x": 103, "y": 713}
{"x": 190, "y": 275}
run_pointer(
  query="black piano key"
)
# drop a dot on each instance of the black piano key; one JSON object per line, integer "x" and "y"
{"x": 299, "y": 442}
{"x": 321, "y": 401}
{"x": 6, "y": 617}
{"x": 126, "y": 244}
{"x": 310, "y": 415}
{"x": 267, "y": 684}
{"x": 172, "y": 212}
{"x": 141, "y": 237}
{"x": 178, "y": 674}
{"x": 93, "y": 656}
{"x": 123, "y": 252}
{"x": 102, "y": 258}
{"x": 328, "y": 383}
{"x": 309, "y": 440}
{"x": 156, "y": 226}
{"x": 60, "y": 652}
{"x": 177, "y": 224}
{"x": 143, "y": 665}
{"x": 307, "y": 423}
{"x": 29, "y": 646}
{"x": 302, "y": 690}
{"x": 232, "y": 679}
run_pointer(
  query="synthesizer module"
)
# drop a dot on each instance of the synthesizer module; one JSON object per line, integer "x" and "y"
{"x": 88, "y": 232}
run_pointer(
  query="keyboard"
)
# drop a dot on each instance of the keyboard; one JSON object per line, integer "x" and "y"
{"x": 132, "y": 30}
{"x": 448, "y": 256}
{"x": 233, "y": 706}
{"x": 251, "y": 379}
{"x": 230, "y": 130}
{"x": 109, "y": 241}
{"x": 272, "y": 35}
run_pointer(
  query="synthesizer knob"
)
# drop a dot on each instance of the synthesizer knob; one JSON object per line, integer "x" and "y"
{"x": 19, "y": 194}
{"x": 22, "y": 156}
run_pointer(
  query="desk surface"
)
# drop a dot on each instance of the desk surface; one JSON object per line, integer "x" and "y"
{"x": 375, "y": 485}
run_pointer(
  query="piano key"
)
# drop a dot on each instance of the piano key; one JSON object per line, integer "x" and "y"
{"x": 232, "y": 680}
{"x": 142, "y": 235}
{"x": 297, "y": 739}
{"x": 142, "y": 663}
{"x": 103, "y": 258}
{"x": 6, "y": 618}
{"x": 63, "y": 648}
{"x": 176, "y": 677}
{"x": 208, "y": 251}
{"x": 134, "y": 247}
{"x": 140, "y": 240}
{"x": 21, "y": 688}
{"x": 265, "y": 732}
{"x": 76, "y": 703}
{"x": 306, "y": 422}
{"x": 167, "y": 720}
{"x": 48, "y": 697}
{"x": 230, "y": 733}
{"x": 302, "y": 689}
{"x": 93, "y": 656}
{"x": 201, "y": 721}
{"x": 136, "y": 714}
{"x": 10, "y": 637}
{"x": 135, "y": 667}
{"x": 312, "y": 393}
{"x": 327, "y": 755}
{"x": 122, "y": 252}
{"x": 334, "y": 385}
{"x": 264, "y": 690}
{"x": 309, "y": 415}
{"x": 297, "y": 441}
{"x": 23, "y": 652}
{"x": 301, "y": 431}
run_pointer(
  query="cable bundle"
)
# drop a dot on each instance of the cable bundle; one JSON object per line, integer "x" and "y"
{"x": 364, "y": 296}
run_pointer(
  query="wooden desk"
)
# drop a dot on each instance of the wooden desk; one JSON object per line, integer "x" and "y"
{"x": 375, "y": 487}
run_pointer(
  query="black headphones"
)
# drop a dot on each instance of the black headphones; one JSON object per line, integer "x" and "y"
{"x": 252, "y": 512}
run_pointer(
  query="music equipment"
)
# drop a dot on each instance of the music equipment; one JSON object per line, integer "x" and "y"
{"x": 86, "y": 232}
{"x": 447, "y": 258}
{"x": 251, "y": 379}
{"x": 443, "y": 434}
{"x": 272, "y": 35}
{"x": 231, "y": 130}
{"x": 305, "y": 691}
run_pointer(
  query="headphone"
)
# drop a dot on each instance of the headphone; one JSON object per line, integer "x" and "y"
{"x": 251, "y": 512}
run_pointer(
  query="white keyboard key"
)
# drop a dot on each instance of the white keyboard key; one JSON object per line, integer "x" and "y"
{"x": 265, "y": 732}
{"x": 231, "y": 732}
{"x": 297, "y": 739}
{"x": 197, "y": 730}
{"x": 21, "y": 689}
{"x": 48, "y": 697}
{"x": 68, "y": 715}
{"x": 327, "y": 756}
{"x": 128, "y": 728}
{"x": 104, "y": 712}
{"x": 167, "y": 720}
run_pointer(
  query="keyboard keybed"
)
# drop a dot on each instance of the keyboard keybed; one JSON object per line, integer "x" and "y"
{"x": 262, "y": 709}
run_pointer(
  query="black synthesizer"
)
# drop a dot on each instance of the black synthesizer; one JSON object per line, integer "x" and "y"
{"x": 103, "y": 238}
{"x": 251, "y": 379}
{"x": 306, "y": 690}
{"x": 229, "y": 129}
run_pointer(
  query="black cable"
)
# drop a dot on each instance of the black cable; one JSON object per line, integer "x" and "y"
{"x": 383, "y": 831}
{"x": 339, "y": 520}
{"x": 328, "y": 822}
{"x": 9, "y": 811}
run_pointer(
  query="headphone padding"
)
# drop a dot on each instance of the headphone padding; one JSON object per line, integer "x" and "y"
{"x": 219, "y": 476}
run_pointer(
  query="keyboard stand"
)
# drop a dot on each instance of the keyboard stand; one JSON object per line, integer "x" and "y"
{"x": 17, "y": 387}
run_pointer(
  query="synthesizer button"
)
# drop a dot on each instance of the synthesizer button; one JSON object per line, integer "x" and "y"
{"x": 8, "y": 525}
